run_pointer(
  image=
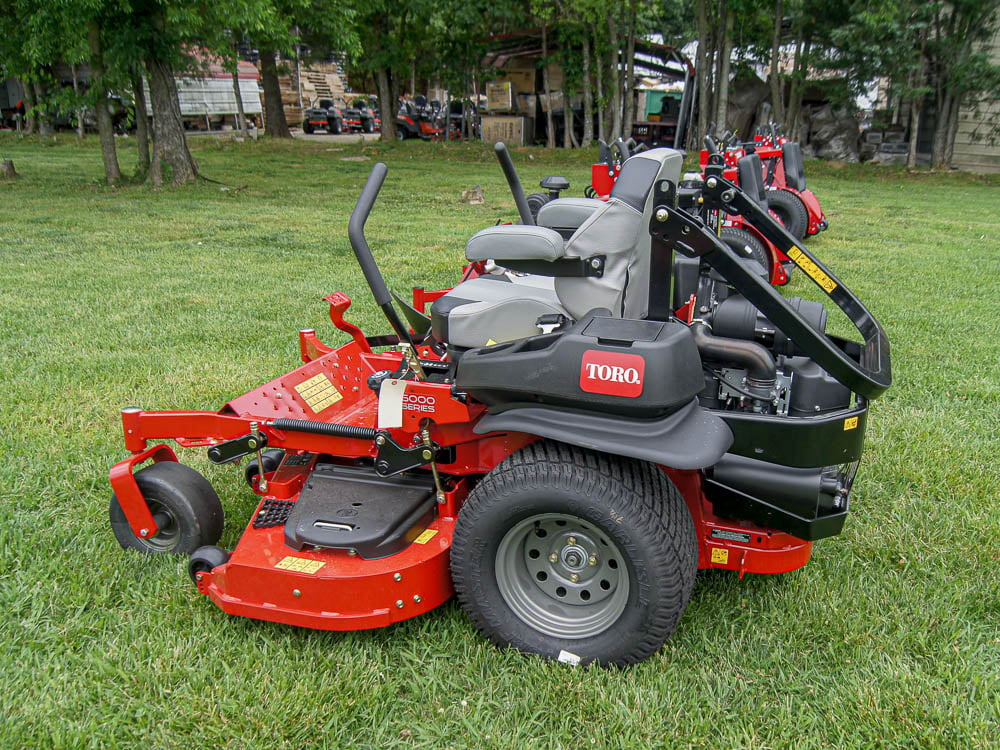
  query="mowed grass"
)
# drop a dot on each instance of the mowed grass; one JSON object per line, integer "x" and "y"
{"x": 184, "y": 298}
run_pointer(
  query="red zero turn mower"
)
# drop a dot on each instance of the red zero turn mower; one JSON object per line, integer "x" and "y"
{"x": 567, "y": 482}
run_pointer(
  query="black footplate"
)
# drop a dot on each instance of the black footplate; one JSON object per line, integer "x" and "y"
{"x": 346, "y": 507}
{"x": 272, "y": 513}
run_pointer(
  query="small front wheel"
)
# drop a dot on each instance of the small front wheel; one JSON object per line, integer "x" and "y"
{"x": 574, "y": 554}
{"x": 185, "y": 506}
{"x": 205, "y": 560}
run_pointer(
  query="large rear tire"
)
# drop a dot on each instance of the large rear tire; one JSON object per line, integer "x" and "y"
{"x": 575, "y": 555}
{"x": 746, "y": 246}
{"x": 790, "y": 209}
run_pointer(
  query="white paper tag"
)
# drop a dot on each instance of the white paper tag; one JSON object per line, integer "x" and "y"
{"x": 390, "y": 404}
{"x": 569, "y": 658}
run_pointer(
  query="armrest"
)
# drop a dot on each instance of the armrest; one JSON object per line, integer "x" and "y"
{"x": 515, "y": 242}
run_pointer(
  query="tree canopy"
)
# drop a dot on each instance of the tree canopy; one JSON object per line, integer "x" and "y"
{"x": 932, "y": 54}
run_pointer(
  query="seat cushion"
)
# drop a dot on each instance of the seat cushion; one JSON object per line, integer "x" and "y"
{"x": 492, "y": 309}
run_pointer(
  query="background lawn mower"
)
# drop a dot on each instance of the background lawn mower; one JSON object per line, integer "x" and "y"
{"x": 566, "y": 215}
{"x": 567, "y": 481}
{"x": 783, "y": 174}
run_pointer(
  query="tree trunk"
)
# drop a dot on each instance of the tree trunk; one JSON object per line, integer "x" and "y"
{"x": 703, "y": 70}
{"x": 601, "y": 124}
{"x": 941, "y": 118}
{"x": 28, "y": 95}
{"x": 387, "y": 103}
{"x": 169, "y": 143}
{"x": 795, "y": 99}
{"x": 80, "y": 111}
{"x": 44, "y": 117}
{"x": 588, "y": 98}
{"x": 952, "y": 130}
{"x": 774, "y": 79}
{"x": 615, "y": 79}
{"x": 628, "y": 89}
{"x": 241, "y": 117}
{"x": 550, "y": 125}
{"x": 141, "y": 124}
{"x": 275, "y": 124}
{"x": 722, "y": 79}
{"x": 105, "y": 128}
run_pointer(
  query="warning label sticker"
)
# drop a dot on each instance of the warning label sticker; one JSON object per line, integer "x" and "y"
{"x": 318, "y": 392}
{"x": 425, "y": 536}
{"x": 720, "y": 556}
{"x": 300, "y": 565}
{"x": 851, "y": 423}
{"x": 812, "y": 270}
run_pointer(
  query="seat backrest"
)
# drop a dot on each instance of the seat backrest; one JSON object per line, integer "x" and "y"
{"x": 791, "y": 159}
{"x": 619, "y": 230}
{"x": 750, "y": 175}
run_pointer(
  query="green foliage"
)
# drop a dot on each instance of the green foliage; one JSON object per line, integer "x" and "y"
{"x": 185, "y": 298}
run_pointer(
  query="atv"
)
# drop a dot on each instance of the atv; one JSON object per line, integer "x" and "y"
{"x": 563, "y": 458}
{"x": 323, "y": 114}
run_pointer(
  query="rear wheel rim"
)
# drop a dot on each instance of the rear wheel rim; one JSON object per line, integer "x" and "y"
{"x": 562, "y": 576}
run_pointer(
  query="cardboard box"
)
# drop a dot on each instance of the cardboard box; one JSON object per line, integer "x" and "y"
{"x": 523, "y": 80}
{"x": 499, "y": 96}
{"x": 512, "y": 130}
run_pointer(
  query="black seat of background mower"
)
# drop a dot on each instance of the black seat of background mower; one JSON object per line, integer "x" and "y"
{"x": 616, "y": 230}
{"x": 791, "y": 157}
{"x": 750, "y": 174}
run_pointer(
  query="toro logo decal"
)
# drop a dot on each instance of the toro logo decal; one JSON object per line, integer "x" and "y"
{"x": 612, "y": 374}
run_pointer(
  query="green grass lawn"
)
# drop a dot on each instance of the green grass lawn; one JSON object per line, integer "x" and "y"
{"x": 182, "y": 299}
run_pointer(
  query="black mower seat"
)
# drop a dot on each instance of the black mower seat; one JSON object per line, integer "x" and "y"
{"x": 750, "y": 175}
{"x": 614, "y": 238}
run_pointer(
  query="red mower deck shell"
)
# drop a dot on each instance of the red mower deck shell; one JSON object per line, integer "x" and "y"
{"x": 333, "y": 589}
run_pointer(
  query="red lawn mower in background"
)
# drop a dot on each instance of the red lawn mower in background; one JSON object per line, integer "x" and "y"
{"x": 784, "y": 178}
{"x": 418, "y": 119}
{"x": 563, "y": 466}
{"x": 567, "y": 214}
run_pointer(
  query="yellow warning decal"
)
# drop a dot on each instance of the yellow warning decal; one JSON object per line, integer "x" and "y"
{"x": 490, "y": 342}
{"x": 812, "y": 270}
{"x": 720, "y": 556}
{"x": 851, "y": 423}
{"x": 318, "y": 392}
{"x": 300, "y": 565}
{"x": 425, "y": 536}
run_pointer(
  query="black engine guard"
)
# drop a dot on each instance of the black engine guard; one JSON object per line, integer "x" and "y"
{"x": 689, "y": 438}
